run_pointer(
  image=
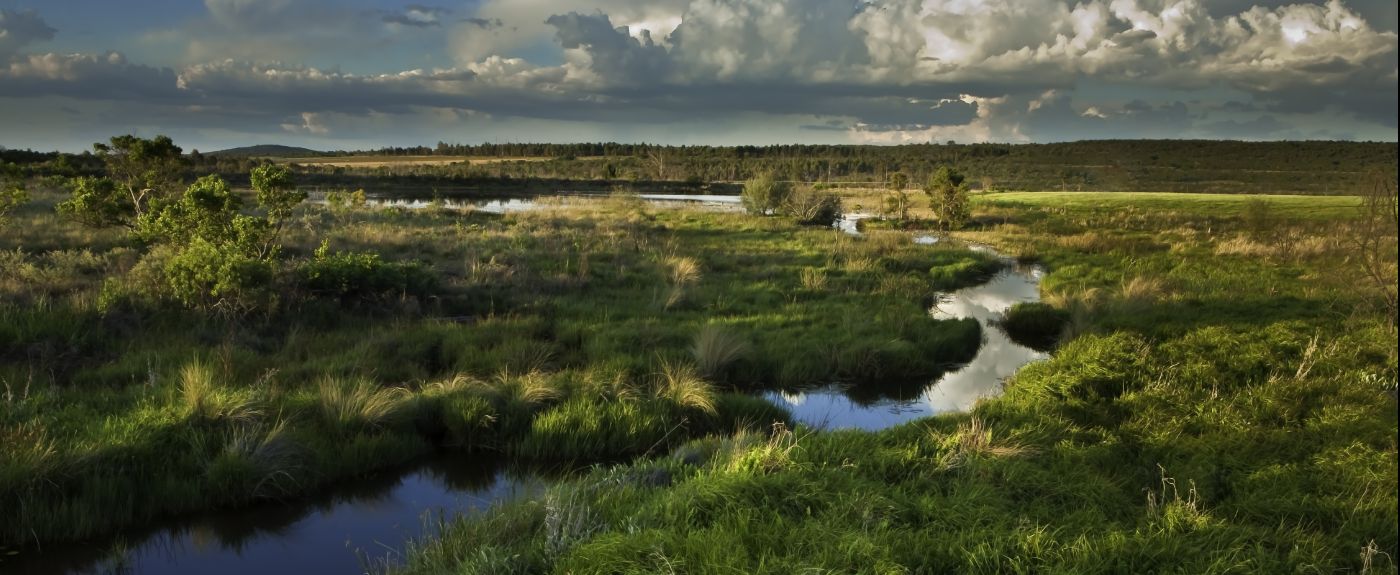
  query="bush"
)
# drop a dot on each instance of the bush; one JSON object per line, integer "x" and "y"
{"x": 812, "y": 208}
{"x": 205, "y": 276}
{"x": 361, "y": 276}
{"x": 764, "y": 195}
{"x": 1034, "y": 325}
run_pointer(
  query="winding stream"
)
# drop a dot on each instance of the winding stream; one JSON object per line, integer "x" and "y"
{"x": 369, "y": 519}
{"x": 832, "y": 407}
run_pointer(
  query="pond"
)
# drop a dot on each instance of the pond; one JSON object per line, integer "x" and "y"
{"x": 338, "y": 531}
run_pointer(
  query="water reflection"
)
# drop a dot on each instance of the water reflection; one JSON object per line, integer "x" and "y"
{"x": 837, "y": 407}
{"x": 330, "y": 533}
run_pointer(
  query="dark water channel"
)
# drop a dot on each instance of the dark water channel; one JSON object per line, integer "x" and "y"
{"x": 370, "y": 519}
{"x": 338, "y": 531}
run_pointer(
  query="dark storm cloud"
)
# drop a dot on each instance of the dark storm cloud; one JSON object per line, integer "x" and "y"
{"x": 417, "y": 15}
{"x": 20, "y": 28}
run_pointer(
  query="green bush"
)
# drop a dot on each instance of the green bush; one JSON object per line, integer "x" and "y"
{"x": 765, "y": 195}
{"x": 361, "y": 276}
{"x": 204, "y": 276}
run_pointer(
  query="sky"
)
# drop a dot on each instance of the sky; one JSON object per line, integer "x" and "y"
{"x": 362, "y": 74}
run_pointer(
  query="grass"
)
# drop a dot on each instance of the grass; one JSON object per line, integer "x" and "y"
{"x": 1035, "y": 325}
{"x": 124, "y": 407}
{"x": 716, "y": 349}
{"x": 1206, "y": 411}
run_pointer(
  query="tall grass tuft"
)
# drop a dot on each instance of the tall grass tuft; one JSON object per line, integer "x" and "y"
{"x": 351, "y": 405}
{"x": 682, "y": 272}
{"x": 680, "y": 384}
{"x": 748, "y": 452}
{"x": 716, "y": 349}
{"x": 532, "y": 388}
{"x": 258, "y": 460}
{"x": 975, "y": 439}
{"x": 205, "y": 398}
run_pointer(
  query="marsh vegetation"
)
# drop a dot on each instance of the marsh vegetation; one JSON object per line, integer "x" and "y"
{"x": 1218, "y": 393}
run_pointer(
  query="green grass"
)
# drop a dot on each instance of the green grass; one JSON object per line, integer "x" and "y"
{"x": 119, "y": 406}
{"x": 1210, "y": 412}
{"x": 1220, "y": 205}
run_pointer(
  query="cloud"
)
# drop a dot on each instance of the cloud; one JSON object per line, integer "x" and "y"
{"x": 109, "y": 76}
{"x": 19, "y": 29}
{"x": 875, "y": 70}
{"x": 417, "y": 15}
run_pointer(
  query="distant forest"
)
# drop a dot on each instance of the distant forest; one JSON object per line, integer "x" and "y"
{"x": 1314, "y": 167}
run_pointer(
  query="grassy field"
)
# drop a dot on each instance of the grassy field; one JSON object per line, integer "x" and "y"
{"x": 1223, "y": 400}
{"x": 585, "y": 330}
{"x": 1225, "y": 205}
{"x": 391, "y": 161}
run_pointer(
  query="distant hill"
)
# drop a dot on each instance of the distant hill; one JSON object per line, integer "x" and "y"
{"x": 266, "y": 150}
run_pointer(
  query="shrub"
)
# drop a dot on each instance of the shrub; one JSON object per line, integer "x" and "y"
{"x": 764, "y": 195}
{"x": 812, "y": 208}
{"x": 96, "y": 202}
{"x": 360, "y": 276}
{"x": 203, "y": 276}
{"x": 11, "y": 197}
{"x": 1034, "y": 325}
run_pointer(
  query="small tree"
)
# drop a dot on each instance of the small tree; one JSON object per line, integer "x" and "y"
{"x": 896, "y": 204}
{"x": 947, "y": 194}
{"x": 764, "y": 195}
{"x": 898, "y": 181}
{"x": 278, "y": 197}
{"x": 143, "y": 169}
{"x": 1374, "y": 238}
{"x": 140, "y": 173}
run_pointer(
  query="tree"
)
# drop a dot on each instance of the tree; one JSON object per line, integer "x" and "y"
{"x": 143, "y": 169}
{"x": 140, "y": 173}
{"x": 897, "y": 204}
{"x": 899, "y": 181}
{"x": 278, "y": 197}
{"x": 947, "y": 194}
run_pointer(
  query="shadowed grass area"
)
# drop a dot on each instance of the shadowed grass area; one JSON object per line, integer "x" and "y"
{"x": 1206, "y": 411}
